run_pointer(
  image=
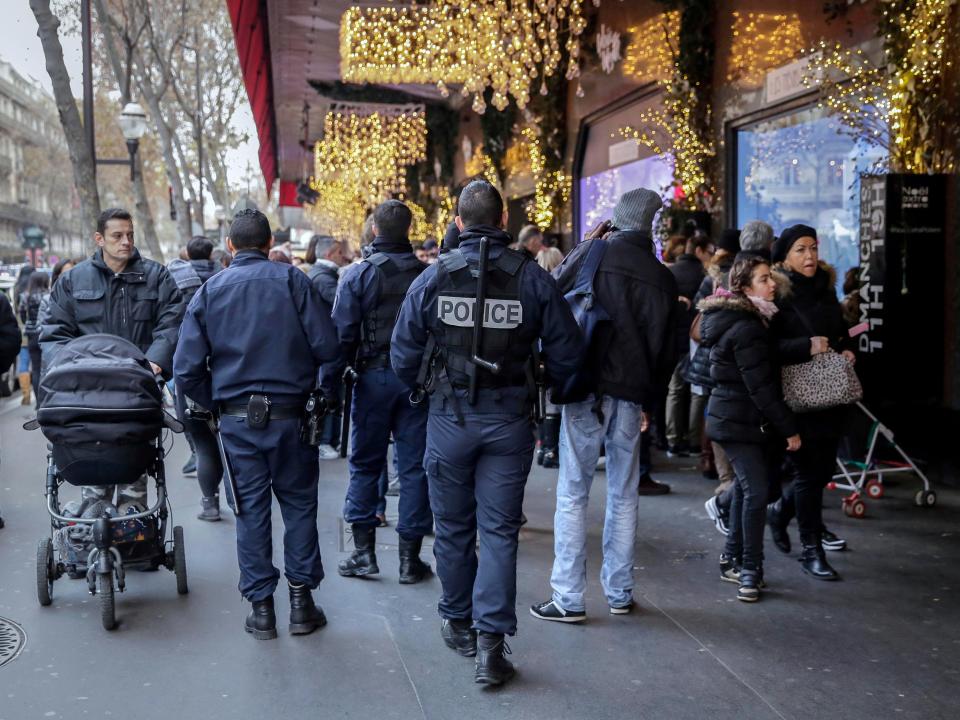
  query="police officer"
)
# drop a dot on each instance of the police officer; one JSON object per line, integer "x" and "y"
{"x": 480, "y": 444}
{"x": 237, "y": 325}
{"x": 368, "y": 300}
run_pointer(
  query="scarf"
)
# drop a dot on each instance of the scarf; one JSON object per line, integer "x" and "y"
{"x": 767, "y": 308}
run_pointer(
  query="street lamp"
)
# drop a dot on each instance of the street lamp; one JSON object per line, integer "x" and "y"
{"x": 133, "y": 125}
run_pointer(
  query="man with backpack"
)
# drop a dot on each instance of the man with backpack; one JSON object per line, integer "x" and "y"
{"x": 631, "y": 354}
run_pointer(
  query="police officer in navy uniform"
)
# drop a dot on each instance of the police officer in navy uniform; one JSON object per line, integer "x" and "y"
{"x": 237, "y": 325}
{"x": 365, "y": 310}
{"x": 479, "y": 449}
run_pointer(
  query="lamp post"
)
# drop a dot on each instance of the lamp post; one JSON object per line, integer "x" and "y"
{"x": 132, "y": 120}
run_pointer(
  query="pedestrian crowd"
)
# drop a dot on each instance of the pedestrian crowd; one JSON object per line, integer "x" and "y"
{"x": 473, "y": 359}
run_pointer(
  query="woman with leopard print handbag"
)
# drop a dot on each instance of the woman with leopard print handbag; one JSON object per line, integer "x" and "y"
{"x": 809, "y": 323}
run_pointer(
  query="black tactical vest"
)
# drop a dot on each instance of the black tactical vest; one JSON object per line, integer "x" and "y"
{"x": 506, "y": 340}
{"x": 377, "y": 327}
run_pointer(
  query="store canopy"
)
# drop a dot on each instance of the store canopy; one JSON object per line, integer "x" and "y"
{"x": 283, "y": 46}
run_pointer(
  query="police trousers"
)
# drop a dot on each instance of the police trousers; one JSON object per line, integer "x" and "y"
{"x": 477, "y": 473}
{"x": 381, "y": 406}
{"x": 266, "y": 463}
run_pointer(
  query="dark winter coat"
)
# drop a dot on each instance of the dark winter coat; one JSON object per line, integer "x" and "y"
{"x": 697, "y": 369}
{"x": 10, "y": 340}
{"x": 746, "y": 404}
{"x": 142, "y": 304}
{"x": 809, "y": 308}
{"x": 325, "y": 275}
{"x": 633, "y": 357}
{"x": 688, "y": 272}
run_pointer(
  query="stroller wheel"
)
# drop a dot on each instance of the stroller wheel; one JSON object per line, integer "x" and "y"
{"x": 925, "y": 498}
{"x": 45, "y": 572}
{"x": 180, "y": 560}
{"x": 105, "y": 591}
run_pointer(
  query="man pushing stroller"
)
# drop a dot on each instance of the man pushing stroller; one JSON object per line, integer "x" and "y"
{"x": 116, "y": 291}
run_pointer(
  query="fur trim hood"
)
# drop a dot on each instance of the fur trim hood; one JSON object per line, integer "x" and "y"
{"x": 736, "y": 303}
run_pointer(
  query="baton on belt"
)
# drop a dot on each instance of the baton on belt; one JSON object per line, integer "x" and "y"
{"x": 349, "y": 379}
{"x": 479, "y": 310}
{"x": 229, "y": 481}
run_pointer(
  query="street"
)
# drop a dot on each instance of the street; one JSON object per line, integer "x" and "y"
{"x": 884, "y": 642}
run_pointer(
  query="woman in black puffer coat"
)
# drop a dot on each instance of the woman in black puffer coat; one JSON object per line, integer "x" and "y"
{"x": 810, "y": 321}
{"x": 746, "y": 414}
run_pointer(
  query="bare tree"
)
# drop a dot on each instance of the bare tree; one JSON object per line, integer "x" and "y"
{"x": 128, "y": 36}
{"x": 81, "y": 157}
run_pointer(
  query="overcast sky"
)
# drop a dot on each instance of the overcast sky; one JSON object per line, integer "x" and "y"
{"x": 20, "y": 46}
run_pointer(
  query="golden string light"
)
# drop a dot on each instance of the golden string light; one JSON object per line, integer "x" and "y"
{"x": 671, "y": 128}
{"x": 762, "y": 41}
{"x": 501, "y": 44}
{"x": 551, "y": 189}
{"x": 480, "y": 164}
{"x": 648, "y": 55}
{"x": 895, "y": 105}
{"x": 361, "y": 161}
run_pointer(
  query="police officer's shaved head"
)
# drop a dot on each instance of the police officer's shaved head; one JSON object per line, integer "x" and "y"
{"x": 392, "y": 220}
{"x": 250, "y": 230}
{"x": 480, "y": 204}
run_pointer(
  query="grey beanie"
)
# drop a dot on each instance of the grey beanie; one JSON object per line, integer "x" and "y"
{"x": 636, "y": 210}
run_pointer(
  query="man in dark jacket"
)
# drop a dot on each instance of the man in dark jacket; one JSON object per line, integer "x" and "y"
{"x": 119, "y": 293}
{"x": 631, "y": 359}
{"x": 189, "y": 275}
{"x": 326, "y": 255}
{"x": 685, "y": 409}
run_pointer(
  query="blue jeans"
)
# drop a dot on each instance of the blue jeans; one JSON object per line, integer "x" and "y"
{"x": 581, "y": 437}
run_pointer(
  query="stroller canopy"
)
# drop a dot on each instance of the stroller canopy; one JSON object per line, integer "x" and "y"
{"x": 100, "y": 389}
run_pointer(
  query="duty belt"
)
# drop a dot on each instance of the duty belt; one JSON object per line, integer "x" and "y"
{"x": 375, "y": 362}
{"x": 277, "y": 412}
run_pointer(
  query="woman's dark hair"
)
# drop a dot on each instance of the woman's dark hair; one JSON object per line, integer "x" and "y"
{"x": 38, "y": 284}
{"x": 741, "y": 274}
{"x": 58, "y": 269}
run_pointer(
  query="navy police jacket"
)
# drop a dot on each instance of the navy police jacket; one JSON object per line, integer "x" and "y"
{"x": 543, "y": 308}
{"x": 257, "y": 327}
{"x": 357, "y": 295}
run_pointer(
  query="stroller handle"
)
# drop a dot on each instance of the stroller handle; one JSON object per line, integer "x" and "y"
{"x": 161, "y": 499}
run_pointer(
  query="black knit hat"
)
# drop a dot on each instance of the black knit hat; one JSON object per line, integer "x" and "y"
{"x": 782, "y": 245}
{"x": 729, "y": 241}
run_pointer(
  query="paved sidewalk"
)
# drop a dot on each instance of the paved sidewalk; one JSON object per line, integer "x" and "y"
{"x": 884, "y": 642}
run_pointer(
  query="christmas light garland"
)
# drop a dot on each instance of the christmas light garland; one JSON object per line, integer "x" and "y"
{"x": 762, "y": 41}
{"x": 501, "y": 44}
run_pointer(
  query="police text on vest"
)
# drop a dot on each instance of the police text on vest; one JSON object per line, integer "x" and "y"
{"x": 498, "y": 314}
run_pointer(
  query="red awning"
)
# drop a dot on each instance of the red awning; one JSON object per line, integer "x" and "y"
{"x": 249, "y": 19}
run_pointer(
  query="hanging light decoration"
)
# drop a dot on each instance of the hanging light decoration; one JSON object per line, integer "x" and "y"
{"x": 362, "y": 160}
{"x": 551, "y": 189}
{"x": 648, "y": 55}
{"x": 505, "y": 45}
{"x": 762, "y": 41}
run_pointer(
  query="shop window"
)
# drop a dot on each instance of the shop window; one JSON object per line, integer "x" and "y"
{"x": 801, "y": 168}
{"x": 599, "y": 193}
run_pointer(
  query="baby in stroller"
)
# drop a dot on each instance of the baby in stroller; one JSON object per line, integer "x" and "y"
{"x": 102, "y": 412}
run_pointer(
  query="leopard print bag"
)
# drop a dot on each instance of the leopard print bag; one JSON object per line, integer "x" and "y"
{"x": 828, "y": 380}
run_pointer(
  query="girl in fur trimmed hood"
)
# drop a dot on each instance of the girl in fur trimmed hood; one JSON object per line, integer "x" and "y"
{"x": 746, "y": 414}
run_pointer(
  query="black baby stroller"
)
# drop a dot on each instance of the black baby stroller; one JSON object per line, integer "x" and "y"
{"x": 102, "y": 412}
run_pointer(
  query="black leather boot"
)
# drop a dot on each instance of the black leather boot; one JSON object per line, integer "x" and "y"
{"x": 550, "y": 441}
{"x": 493, "y": 668}
{"x": 778, "y": 526}
{"x": 305, "y": 617}
{"x": 262, "y": 622}
{"x": 412, "y": 568}
{"x": 459, "y": 636}
{"x": 363, "y": 560}
{"x": 813, "y": 561}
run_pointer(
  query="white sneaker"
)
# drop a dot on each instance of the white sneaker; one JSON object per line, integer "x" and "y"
{"x": 328, "y": 452}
